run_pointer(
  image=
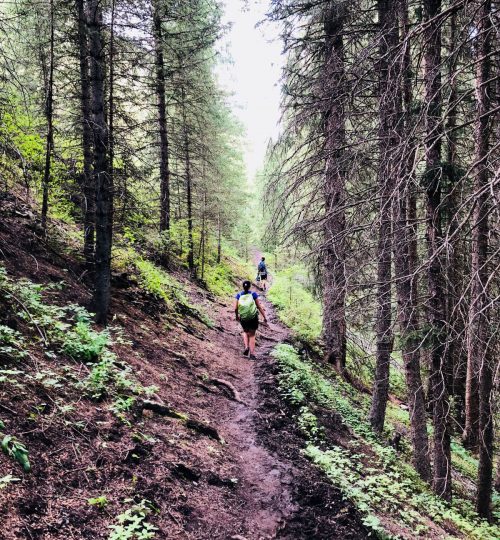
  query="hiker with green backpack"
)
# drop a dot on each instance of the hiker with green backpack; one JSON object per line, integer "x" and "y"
{"x": 246, "y": 308}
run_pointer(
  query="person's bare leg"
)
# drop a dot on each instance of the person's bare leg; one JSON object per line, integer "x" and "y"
{"x": 251, "y": 343}
{"x": 245, "y": 340}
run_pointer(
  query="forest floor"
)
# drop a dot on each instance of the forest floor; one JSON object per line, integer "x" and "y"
{"x": 228, "y": 467}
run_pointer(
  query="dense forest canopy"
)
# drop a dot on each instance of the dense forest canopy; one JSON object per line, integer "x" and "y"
{"x": 378, "y": 205}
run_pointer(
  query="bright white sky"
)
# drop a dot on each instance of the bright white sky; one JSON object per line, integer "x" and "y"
{"x": 253, "y": 75}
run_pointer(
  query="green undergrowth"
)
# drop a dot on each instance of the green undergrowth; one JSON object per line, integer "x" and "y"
{"x": 380, "y": 481}
{"x": 75, "y": 355}
{"x": 218, "y": 276}
{"x": 159, "y": 283}
{"x": 222, "y": 278}
{"x": 15, "y": 449}
{"x": 133, "y": 524}
{"x": 295, "y": 305}
{"x": 300, "y": 310}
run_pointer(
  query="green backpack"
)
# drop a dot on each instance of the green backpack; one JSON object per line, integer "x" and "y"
{"x": 247, "y": 308}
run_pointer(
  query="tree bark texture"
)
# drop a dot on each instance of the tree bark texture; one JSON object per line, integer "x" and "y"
{"x": 454, "y": 270}
{"x": 389, "y": 112}
{"x": 479, "y": 329}
{"x": 102, "y": 177}
{"x": 162, "y": 119}
{"x": 334, "y": 278}
{"x": 435, "y": 275}
{"x": 88, "y": 185}
{"x": 49, "y": 106}
{"x": 189, "y": 184}
{"x": 405, "y": 261}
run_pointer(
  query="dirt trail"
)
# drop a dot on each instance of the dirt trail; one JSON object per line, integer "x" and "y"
{"x": 280, "y": 495}
{"x": 264, "y": 479}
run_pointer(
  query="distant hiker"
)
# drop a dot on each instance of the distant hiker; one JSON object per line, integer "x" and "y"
{"x": 262, "y": 273}
{"x": 246, "y": 308}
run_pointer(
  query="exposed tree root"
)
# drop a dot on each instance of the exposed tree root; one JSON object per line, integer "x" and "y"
{"x": 196, "y": 425}
{"x": 228, "y": 389}
{"x": 162, "y": 410}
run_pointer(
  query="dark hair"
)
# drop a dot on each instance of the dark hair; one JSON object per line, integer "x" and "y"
{"x": 263, "y": 258}
{"x": 246, "y": 285}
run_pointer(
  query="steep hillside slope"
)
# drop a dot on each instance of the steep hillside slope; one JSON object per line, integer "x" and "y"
{"x": 156, "y": 427}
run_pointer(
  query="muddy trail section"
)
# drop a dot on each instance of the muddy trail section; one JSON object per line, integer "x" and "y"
{"x": 215, "y": 451}
{"x": 284, "y": 495}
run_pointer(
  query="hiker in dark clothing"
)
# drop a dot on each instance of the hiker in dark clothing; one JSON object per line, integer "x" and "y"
{"x": 262, "y": 273}
{"x": 246, "y": 308}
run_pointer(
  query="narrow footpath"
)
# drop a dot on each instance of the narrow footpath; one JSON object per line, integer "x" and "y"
{"x": 278, "y": 494}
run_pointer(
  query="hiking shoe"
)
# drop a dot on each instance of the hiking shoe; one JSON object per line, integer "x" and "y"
{"x": 245, "y": 352}
{"x": 252, "y": 357}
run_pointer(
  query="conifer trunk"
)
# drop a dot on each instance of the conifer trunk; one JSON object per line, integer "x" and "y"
{"x": 88, "y": 184}
{"x": 334, "y": 279}
{"x": 49, "y": 143}
{"x": 111, "y": 104}
{"x": 435, "y": 275}
{"x": 189, "y": 184}
{"x": 162, "y": 119}
{"x": 219, "y": 239}
{"x": 102, "y": 177}
{"x": 454, "y": 270}
{"x": 389, "y": 108}
{"x": 479, "y": 329}
{"x": 405, "y": 260}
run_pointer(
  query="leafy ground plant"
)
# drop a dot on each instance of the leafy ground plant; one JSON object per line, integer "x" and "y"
{"x": 297, "y": 307}
{"x": 7, "y": 480}
{"x": 15, "y": 449}
{"x": 132, "y": 524}
{"x": 69, "y": 331}
{"x": 100, "y": 502}
{"x": 11, "y": 344}
{"x": 379, "y": 481}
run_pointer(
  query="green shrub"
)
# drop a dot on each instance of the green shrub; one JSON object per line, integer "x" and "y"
{"x": 155, "y": 281}
{"x": 220, "y": 279}
{"x": 108, "y": 377}
{"x": 83, "y": 343}
{"x": 370, "y": 473}
{"x": 296, "y": 306}
{"x": 15, "y": 449}
{"x": 132, "y": 524}
{"x": 11, "y": 344}
{"x": 100, "y": 502}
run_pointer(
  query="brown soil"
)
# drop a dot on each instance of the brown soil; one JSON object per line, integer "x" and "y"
{"x": 243, "y": 479}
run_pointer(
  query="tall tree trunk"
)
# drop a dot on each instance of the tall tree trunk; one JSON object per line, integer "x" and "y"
{"x": 405, "y": 259}
{"x": 334, "y": 278}
{"x": 389, "y": 109}
{"x": 203, "y": 235}
{"x": 219, "y": 239}
{"x": 111, "y": 104}
{"x": 49, "y": 144}
{"x": 85, "y": 107}
{"x": 436, "y": 305}
{"x": 189, "y": 183}
{"x": 454, "y": 281}
{"x": 479, "y": 330}
{"x": 497, "y": 477}
{"x": 162, "y": 119}
{"x": 102, "y": 177}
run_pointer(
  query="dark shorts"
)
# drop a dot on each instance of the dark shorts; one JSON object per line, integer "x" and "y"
{"x": 251, "y": 325}
{"x": 263, "y": 277}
